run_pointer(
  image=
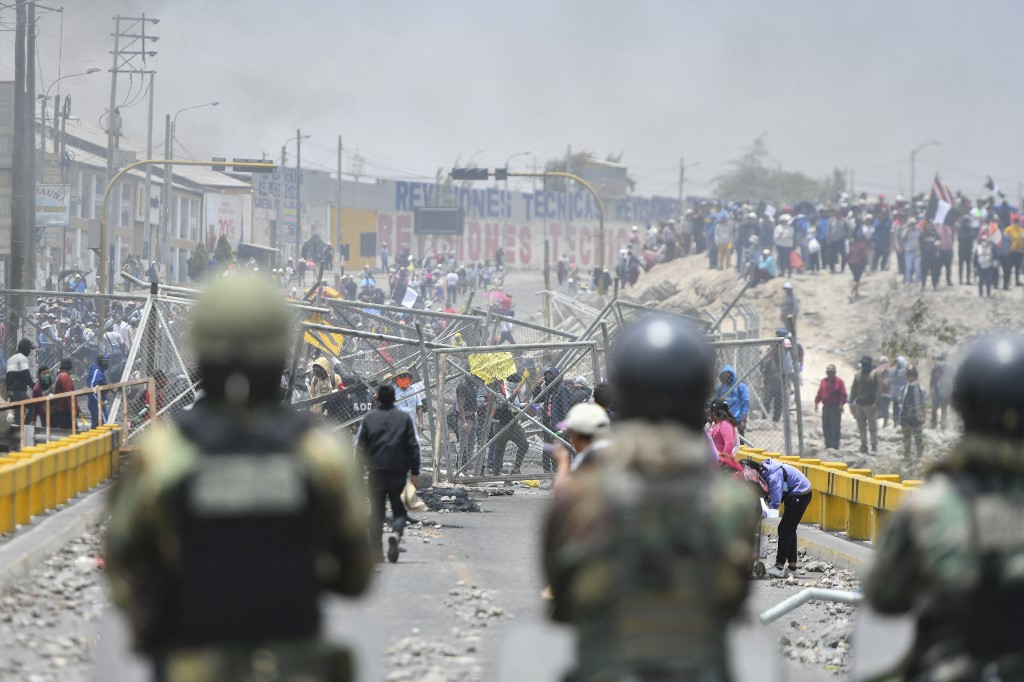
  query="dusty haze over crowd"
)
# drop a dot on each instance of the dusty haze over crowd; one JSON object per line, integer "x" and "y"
{"x": 415, "y": 84}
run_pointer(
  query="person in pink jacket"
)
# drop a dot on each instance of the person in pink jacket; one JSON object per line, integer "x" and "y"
{"x": 722, "y": 427}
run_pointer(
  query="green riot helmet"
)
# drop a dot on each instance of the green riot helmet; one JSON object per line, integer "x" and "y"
{"x": 241, "y": 325}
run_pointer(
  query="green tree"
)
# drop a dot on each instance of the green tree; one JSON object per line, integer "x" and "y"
{"x": 198, "y": 261}
{"x": 575, "y": 164}
{"x": 222, "y": 252}
{"x": 751, "y": 177}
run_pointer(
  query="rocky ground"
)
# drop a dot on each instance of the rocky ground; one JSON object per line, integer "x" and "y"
{"x": 48, "y": 620}
{"x": 818, "y": 634}
{"x": 454, "y": 655}
{"x": 835, "y": 330}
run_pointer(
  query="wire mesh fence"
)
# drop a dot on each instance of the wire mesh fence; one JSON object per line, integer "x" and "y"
{"x": 497, "y": 408}
{"x": 66, "y": 325}
{"x": 761, "y": 387}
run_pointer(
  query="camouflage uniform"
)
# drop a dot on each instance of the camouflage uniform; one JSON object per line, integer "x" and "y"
{"x": 648, "y": 556}
{"x": 152, "y": 551}
{"x": 954, "y": 555}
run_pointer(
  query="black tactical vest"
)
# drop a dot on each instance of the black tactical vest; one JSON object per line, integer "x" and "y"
{"x": 248, "y": 532}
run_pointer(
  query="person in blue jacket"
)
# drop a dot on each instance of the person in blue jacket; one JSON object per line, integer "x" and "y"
{"x": 737, "y": 398}
{"x": 786, "y": 484}
{"x": 97, "y": 377}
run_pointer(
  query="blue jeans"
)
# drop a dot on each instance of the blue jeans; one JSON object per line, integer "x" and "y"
{"x": 912, "y": 271}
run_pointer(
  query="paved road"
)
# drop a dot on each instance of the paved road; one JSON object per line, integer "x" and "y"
{"x": 463, "y": 603}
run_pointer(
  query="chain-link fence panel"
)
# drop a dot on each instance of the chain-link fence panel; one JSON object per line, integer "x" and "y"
{"x": 160, "y": 351}
{"x": 438, "y": 327}
{"x": 66, "y": 325}
{"x": 345, "y": 367}
{"x": 569, "y": 314}
{"x": 500, "y": 326}
{"x": 760, "y": 386}
{"x": 497, "y": 409}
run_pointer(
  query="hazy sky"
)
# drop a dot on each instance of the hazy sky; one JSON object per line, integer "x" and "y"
{"x": 414, "y": 84}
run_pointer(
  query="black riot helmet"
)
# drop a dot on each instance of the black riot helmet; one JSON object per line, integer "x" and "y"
{"x": 987, "y": 389}
{"x": 662, "y": 370}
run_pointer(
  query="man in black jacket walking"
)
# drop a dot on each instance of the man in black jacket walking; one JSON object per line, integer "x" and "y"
{"x": 387, "y": 443}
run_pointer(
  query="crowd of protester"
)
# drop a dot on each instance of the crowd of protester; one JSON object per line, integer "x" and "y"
{"x": 983, "y": 238}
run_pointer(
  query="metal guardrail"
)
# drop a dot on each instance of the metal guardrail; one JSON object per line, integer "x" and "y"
{"x": 42, "y": 477}
{"x": 118, "y": 389}
{"x": 847, "y": 500}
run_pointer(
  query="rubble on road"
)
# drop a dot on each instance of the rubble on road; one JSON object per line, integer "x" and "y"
{"x": 48, "y": 619}
{"x": 821, "y": 630}
{"x": 455, "y": 655}
{"x": 446, "y": 500}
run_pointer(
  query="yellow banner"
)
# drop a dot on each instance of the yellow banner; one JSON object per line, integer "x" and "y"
{"x": 330, "y": 343}
{"x": 492, "y": 366}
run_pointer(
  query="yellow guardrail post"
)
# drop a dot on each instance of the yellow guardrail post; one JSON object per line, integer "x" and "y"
{"x": 62, "y": 464}
{"x": 22, "y": 513}
{"x": 48, "y": 461}
{"x": 816, "y": 475}
{"x": 7, "y": 498}
{"x": 858, "y": 526}
{"x": 35, "y": 480}
{"x": 881, "y": 511}
{"x": 835, "y": 508}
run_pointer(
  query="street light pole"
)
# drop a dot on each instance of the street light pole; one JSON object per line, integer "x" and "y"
{"x": 913, "y": 167}
{"x": 170, "y": 128}
{"x": 298, "y": 195}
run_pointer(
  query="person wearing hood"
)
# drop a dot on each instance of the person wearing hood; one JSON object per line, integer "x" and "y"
{"x": 786, "y": 484}
{"x": 897, "y": 382}
{"x": 863, "y": 394}
{"x": 322, "y": 383}
{"x": 41, "y": 388}
{"x": 735, "y": 395}
{"x": 97, "y": 377}
{"x": 557, "y": 402}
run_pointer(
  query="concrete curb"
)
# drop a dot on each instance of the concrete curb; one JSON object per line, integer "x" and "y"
{"x": 835, "y": 549}
{"x": 35, "y": 542}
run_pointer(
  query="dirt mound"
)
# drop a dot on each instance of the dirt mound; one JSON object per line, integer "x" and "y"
{"x": 836, "y": 330}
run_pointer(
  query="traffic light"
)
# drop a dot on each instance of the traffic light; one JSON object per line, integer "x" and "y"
{"x": 469, "y": 174}
{"x": 501, "y": 174}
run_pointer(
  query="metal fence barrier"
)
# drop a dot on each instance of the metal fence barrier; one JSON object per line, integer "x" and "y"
{"x": 494, "y": 416}
{"x": 762, "y": 366}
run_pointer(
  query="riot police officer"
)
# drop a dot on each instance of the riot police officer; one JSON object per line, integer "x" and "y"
{"x": 648, "y": 553}
{"x": 230, "y": 523}
{"x": 954, "y": 552}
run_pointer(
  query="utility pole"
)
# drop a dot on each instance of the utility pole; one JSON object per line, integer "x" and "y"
{"x": 282, "y": 171}
{"x": 126, "y": 56}
{"x": 163, "y": 232}
{"x": 298, "y": 195}
{"x": 30, "y": 152}
{"x": 22, "y": 181}
{"x": 103, "y": 274}
{"x": 340, "y": 240}
{"x": 148, "y": 229}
